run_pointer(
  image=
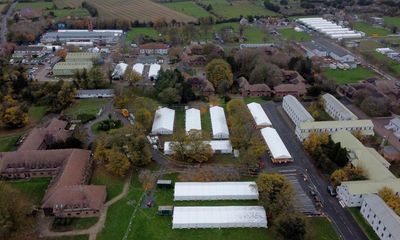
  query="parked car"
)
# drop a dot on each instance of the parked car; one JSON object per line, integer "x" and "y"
{"x": 331, "y": 191}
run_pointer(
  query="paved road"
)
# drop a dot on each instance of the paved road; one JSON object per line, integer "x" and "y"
{"x": 343, "y": 222}
{"x": 3, "y": 25}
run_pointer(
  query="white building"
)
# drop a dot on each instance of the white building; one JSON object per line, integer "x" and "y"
{"x": 217, "y": 146}
{"x": 95, "y": 93}
{"x": 153, "y": 71}
{"x": 194, "y": 191}
{"x": 192, "y": 120}
{"x": 394, "y": 125}
{"x": 218, "y": 122}
{"x": 219, "y": 217}
{"x": 119, "y": 70}
{"x": 138, "y": 67}
{"x": 336, "y": 109}
{"x": 163, "y": 123}
{"x": 260, "y": 117}
{"x": 295, "y": 110}
{"x": 384, "y": 221}
{"x": 276, "y": 148}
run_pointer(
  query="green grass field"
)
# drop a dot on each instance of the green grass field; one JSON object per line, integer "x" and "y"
{"x": 133, "y": 34}
{"x": 369, "y": 30}
{"x": 34, "y": 188}
{"x": 392, "y": 21}
{"x": 36, "y": 113}
{"x": 355, "y": 212}
{"x": 35, "y": 5}
{"x": 7, "y": 143}
{"x": 179, "y": 124}
{"x": 80, "y": 237}
{"x": 114, "y": 184}
{"x": 188, "y": 8}
{"x": 291, "y": 34}
{"x": 236, "y": 9}
{"x": 79, "y": 12}
{"x": 88, "y": 106}
{"x": 68, "y": 224}
{"x": 320, "y": 228}
{"x": 206, "y": 122}
{"x": 348, "y": 76}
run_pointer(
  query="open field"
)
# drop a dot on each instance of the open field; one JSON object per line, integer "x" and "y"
{"x": 291, "y": 34}
{"x": 88, "y": 106}
{"x": 34, "y": 188}
{"x": 114, "y": 184}
{"x": 206, "y": 122}
{"x": 78, "y": 12}
{"x": 188, "y": 8}
{"x": 320, "y": 228}
{"x": 348, "y": 76}
{"x": 133, "y": 34}
{"x": 235, "y": 9}
{"x": 35, "y": 5}
{"x": 369, "y": 30}
{"x": 36, "y": 113}
{"x": 363, "y": 223}
{"x": 68, "y": 224}
{"x": 392, "y": 21}
{"x": 248, "y": 100}
{"x": 7, "y": 143}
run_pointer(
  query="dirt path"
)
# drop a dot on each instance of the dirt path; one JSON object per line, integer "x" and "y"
{"x": 45, "y": 222}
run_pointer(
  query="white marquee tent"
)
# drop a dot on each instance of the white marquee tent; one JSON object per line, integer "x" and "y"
{"x": 219, "y": 217}
{"x": 276, "y": 147}
{"x": 138, "y": 67}
{"x": 218, "y": 123}
{"x": 259, "y": 116}
{"x": 154, "y": 69}
{"x": 218, "y": 146}
{"x": 190, "y": 191}
{"x": 163, "y": 121}
{"x": 119, "y": 70}
{"x": 192, "y": 119}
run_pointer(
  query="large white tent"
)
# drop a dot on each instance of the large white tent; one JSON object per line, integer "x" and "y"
{"x": 219, "y": 217}
{"x": 191, "y": 191}
{"x": 138, "y": 67}
{"x": 276, "y": 147}
{"x": 218, "y": 123}
{"x": 119, "y": 70}
{"x": 218, "y": 146}
{"x": 163, "y": 121}
{"x": 192, "y": 119}
{"x": 260, "y": 117}
{"x": 154, "y": 69}
{"x": 327, "y": 27}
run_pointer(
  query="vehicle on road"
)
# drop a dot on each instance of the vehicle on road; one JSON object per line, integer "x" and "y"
{"x": 331, "y": 191}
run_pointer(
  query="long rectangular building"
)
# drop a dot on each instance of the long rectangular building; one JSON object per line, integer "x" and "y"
{"x": 218, "y": 123}
{"x": 295, "y": 110}
{"x": 192, "y": 120}
{"x": 276, "y": 148}
{"x": 111, "y": 36}
{"x": 70, "y": 68}
{"x": 336, "y": 109}
{"x": 366, "y": 127}
{"x": 260, "y": 117}
{"x": 81, "y": 56}
{"x": 217, "y": 146}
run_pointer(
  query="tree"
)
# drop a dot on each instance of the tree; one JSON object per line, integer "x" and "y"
{"x": 139, "y": 151}
{"x": 11, "y": 113}
{"x": 116, "y": 162}
{"x": 291, "y": 226}
{"x": 144, "y": 117}
{"x": 267, "y": 73}
{"x": 338, "y": 176}
{"x": 65, "y": 96}
{"x": 276, "y": 193}
{"x": 191, "y": 147}
{"x": 391, "y": 199}
{"x": 133, "y": 77}
{"x": 218, "y": 71}
{"x": 170, "y": 95}
{"x": 96, "y": 78}
{"x": 314, "y": 141}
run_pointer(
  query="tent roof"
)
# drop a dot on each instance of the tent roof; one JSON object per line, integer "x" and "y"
{"x": 226, "y": 190}
{"x": 193, "y": 119}
{"x": 275, "y": 143}
{"x": 164, "y": 119}
{"x": 260, "y": 117}
{"x": 138, "y": 67}
{"x": 154, "y": 69}
{"x": 218, "y": 120}
{"x": 234, "y": 215}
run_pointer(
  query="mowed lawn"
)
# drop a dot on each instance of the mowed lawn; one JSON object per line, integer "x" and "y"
{"x": 34, "y": 5}
{"x": 348, "y": 76}
{"x": 291, "y": 34}
{"x": 189, "y": 8}
{"x": 370, "y": 30}
{"x": 88, "y": 106}
{"x": 79, "y": 237}
{"x": 34, "y": 189}
{"x": 36, "y": 113}
{"x": 355, "y": 212}
{"x": 114, "y": 184}
{"x": 235, "y": 9}
{"x": 133, "y": 34}
{"x": 7, "y": 143}
{"x": 320, "y": 228}
{"x": 392, "y": 21}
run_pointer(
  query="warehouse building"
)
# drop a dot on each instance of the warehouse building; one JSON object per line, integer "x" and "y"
{"x": 295, "y": 110}
{"x": 275, "y": 146}
{"x": 81, "y": 57}
{"x": 194, "y": 191}
{"x": 336, "y": 109}
{"x": 163, "y": 123}
{"x": 218, "y": 122}
{"x": 217, "y": 146}
{"x": 192, "y": 120}
{"x": 96, "y": 36}
{"x": 70, "y": 68}
{"x": 260, "y": 117}
{"x": 383, "y": 220}
{"x": 366, "y": 127}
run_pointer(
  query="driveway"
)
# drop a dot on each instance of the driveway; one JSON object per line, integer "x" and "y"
{"x": 342, "y": 221}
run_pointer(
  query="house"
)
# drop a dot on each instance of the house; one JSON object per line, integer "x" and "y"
{"x": 29, "y": 51}
{"x": 382, "y": 219}
{"x": 154, "y": 49}
{"x": 295, "y": 110}
{"x": 254, "y": 90}
{"x": 394, "y": 125}
{"x": 297, "y": 90}
{"x": 336, "y": 109}
{"x": 95, "y": 93}
{"x": 194, "y": 60}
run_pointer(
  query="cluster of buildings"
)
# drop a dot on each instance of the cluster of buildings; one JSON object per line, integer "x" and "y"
{"x": 390, "y": 53}
{"x": 75, "y": 61}
{"x": 217, "y": 216}
{"x": 69, "y": 193}
{"x": 306, "y": 124}
{"x": 330, "y": 29}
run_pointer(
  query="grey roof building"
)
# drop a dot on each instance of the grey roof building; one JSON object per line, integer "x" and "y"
{"x": 81, "y": 36}
{"x": 297, "y": 113}
{"x": 336, "y": 109}
{"x": 95, "y": 93}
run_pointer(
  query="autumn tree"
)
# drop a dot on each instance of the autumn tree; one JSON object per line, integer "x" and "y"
{"x": 11, "y": 113}
{"x": 116, "y": 162}
{"x": 218, "y": 71}
{"x": 191, "y": 147}
{"x": 348, "y": 173}
{"x": 391, "y": 198}
{"x": 314, "y": 141}
{"x": 291, "y": 226}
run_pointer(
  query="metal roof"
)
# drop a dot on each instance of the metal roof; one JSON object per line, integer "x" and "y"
{"x": 298, "y": 108}
{"x": 73, "y": 65}
{"x": 325, "y": 46}
{"x": 337, "y": 124}
{"x": 339, "y": 107}
{"x": 275, "y": 144}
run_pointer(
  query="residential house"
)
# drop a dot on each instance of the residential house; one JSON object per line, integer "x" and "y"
{"x": 253, "y": 90}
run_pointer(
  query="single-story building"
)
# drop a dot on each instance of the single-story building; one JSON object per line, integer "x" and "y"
{"x": 154, "y": 48}
{"x": 260, "y": 117}
{"x": 275, "y": 146}
{"x": 163, "y": 123}
{"x": 70, "y": 68}
{"x": 218, "y": 122}
{"x": 95, "y": 93}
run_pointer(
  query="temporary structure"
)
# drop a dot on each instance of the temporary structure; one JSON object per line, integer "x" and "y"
{"x": 119, "y": 70}
{"x": 192, "y": 120}
{"x": 185, "y": 191}
{"x": 154, "y": 69}
{"x": 138, "y": 67}
{"x": 219, "y": 217}
{"x": 163, "y": 121}
{"x": 218, "y": 122}
{"x": 218, "y": 146}
{"x": 260, "y": 117}
{"x": 275, "y": 145}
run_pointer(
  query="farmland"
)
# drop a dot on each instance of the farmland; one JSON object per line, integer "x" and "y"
{"x": 78, "y": 12}
{"x": 188, "y": 8}
{"x": 35, "y": 5}
{"x": 236, "y": 9}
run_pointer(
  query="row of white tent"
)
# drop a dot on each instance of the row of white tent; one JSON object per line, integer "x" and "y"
{"x": 221, "y": 216}
{"x": 217, "y": 146}
{"x": 330, "y": 29}
{"x": 218, "y": 121}
{"x": 120, "y": 70}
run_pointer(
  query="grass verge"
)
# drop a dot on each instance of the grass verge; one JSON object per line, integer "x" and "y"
{"x": 34, "y": 188}
{"x": 114, "y": 184}
{"x": 355, "y": 212}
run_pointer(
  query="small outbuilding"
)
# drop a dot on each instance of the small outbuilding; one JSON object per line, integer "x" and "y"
{"x": 218, "y": 122}
{"x": 164, "y": 183}
{"x": 163, "y": 123}
{"x": 165, "y": 210}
